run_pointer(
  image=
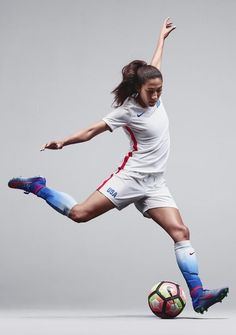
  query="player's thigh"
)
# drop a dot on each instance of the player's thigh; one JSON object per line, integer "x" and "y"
{"x": 95, "y": 205}
{"x": 170, "y": 220}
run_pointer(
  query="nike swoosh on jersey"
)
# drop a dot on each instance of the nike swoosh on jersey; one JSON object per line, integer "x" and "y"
{"x": 138, "y": 115}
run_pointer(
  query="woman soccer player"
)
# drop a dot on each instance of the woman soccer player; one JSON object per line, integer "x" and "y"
{"x": 140, "y": 178}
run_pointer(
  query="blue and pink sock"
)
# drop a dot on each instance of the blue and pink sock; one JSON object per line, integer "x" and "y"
{"x": 60, "y": 201}
{"x": 187, "y": 262}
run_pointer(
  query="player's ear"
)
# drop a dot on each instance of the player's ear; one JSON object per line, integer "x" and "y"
{"x": 138, "y": 89}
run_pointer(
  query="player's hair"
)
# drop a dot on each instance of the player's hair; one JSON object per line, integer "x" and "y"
{"x": 135, "y": 74}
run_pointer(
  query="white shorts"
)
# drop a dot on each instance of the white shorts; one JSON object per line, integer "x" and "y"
{"x": 146, "y": 191}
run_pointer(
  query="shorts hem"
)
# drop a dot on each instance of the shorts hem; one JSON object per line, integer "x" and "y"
{"x": 146, "y": 215}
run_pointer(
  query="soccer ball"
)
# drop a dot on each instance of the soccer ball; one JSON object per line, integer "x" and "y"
{"x": 166, "y": 299}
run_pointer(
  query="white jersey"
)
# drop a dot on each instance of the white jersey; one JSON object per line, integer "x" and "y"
{"x": 148, "y": 132}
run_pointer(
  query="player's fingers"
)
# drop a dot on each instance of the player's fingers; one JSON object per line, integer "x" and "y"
{"x": 167, "y": 19}
{"x": 43, "y": 147}
{"x": 171, "y": 29}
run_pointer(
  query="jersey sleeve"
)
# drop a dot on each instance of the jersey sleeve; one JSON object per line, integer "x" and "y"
{"x": 117, "y": 118}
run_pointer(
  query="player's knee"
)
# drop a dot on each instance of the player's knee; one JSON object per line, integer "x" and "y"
{"x": 182, "y": 233}
{"x": 79, "y": 215}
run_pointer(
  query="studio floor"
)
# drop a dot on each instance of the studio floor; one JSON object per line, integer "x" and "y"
{"x": 104, "y": 323}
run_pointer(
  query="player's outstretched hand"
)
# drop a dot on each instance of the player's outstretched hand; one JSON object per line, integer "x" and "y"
{"x": 167, "y": 28}
{"x": 54, "y": 145}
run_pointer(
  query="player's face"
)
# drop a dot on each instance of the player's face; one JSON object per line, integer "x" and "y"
{"x": 150, "y": 92}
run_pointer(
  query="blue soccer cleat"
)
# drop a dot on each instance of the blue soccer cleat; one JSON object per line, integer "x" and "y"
{"x": 208, "y": 298}
{"x": 28, "y": 185}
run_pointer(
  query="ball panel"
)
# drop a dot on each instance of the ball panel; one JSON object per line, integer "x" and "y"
{"x": 168, "y": 289}
{"x": 174, "y": 307}
{"x": 156, "y": 303}
{"x": 153, "y": 289}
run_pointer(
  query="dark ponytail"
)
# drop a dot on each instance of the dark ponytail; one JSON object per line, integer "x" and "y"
{"x": 135, "y": 74}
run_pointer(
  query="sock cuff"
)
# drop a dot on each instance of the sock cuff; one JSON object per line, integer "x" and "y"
{"x": 183, "y": 244}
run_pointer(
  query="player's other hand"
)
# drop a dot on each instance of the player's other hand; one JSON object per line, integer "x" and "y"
{"x": 167, "y": 28}
{"x": 53, "y": 145}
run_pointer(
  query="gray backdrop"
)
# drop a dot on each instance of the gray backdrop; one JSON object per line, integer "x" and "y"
{"x": 59, "y": 60}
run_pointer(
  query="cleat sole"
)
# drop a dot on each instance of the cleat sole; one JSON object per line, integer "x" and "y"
{"x": 222, "y": 295}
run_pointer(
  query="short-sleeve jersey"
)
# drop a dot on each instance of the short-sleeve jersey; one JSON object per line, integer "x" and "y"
{"x": 148, "y": 132}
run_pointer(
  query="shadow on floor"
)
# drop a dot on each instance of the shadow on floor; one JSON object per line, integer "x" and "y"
{"x": 120, "y": 316}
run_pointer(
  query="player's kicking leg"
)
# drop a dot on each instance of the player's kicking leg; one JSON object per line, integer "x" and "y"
{"x": 63, "y": 203}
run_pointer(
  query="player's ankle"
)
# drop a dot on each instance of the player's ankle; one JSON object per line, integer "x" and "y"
{"x": 36, "y": 187}
{"x": 196, "y": 292}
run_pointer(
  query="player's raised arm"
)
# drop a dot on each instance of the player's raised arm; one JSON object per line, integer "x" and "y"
{"x": 166, "y": 29}
{"x": 81, "y": 136}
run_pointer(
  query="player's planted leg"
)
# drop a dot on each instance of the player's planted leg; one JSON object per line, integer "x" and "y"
{"x": 202, "y": 299}
{"x": 170, "y": 220}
